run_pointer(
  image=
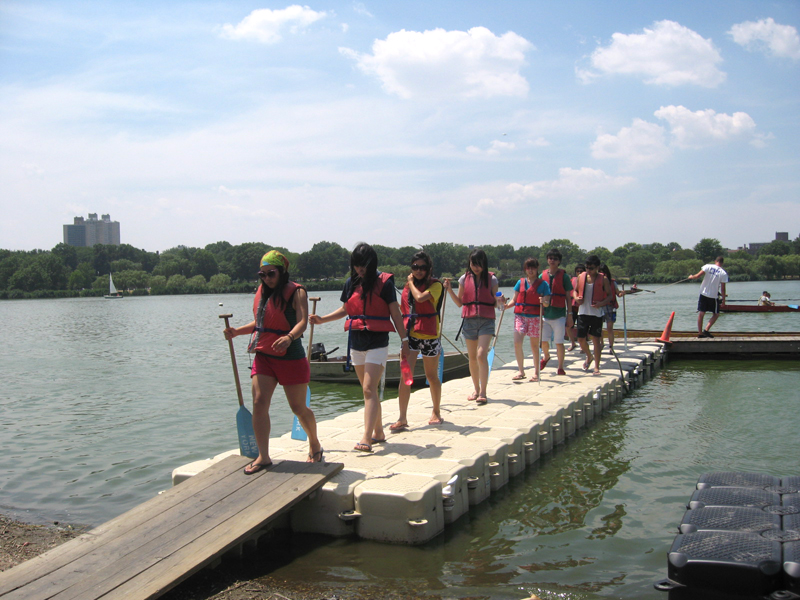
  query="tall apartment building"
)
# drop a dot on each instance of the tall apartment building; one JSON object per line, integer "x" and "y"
{"x": 91, "y": 231}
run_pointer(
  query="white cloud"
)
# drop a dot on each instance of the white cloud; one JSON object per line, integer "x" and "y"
{"x": 767, "y": 36}
{"x": 474, "y": 63}
{"x": 571, "y": 184}
{"x": 265, "y": 25}
{"x": 668, "y": 54}
{"x": 641, "y": 145}
{"x": 705, "y": 127}
{"x": 495, "y": 147}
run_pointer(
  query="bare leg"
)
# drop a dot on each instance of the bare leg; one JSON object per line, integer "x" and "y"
{"x": 561, "y": 353}
{"x": 431, "y": 364}
{"x": 610, "y": 329}
{"x": 484, "y": 342}
{"x": 404, "y": 391}
{"x": 700, "y": 317}
{"x": 296, "y": 395}
{"x": 474, "y": 369}
{"x": 598, "y": 348}
{"x": 585, "y": 347}
{"x": 535, "y": 354}
{"x": 712, "y": 320}
{"x": 369, "y": 375}
{"x": 518, "y": 338}
{"x": 545, "y": 350}
{"x": 263, "y": 388}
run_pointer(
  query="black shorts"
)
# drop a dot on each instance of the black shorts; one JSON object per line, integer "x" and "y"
{"x": 591, "y": 325}
{"x": 706, "y": 304}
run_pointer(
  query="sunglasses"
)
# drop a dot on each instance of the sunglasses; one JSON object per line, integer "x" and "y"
{"x": 419, "y": 267}
{"x": 271, "y": 273}
{"x": 591, "y": 267}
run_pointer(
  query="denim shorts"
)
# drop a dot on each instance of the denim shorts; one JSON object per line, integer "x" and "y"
{"x": 475, "y": 327}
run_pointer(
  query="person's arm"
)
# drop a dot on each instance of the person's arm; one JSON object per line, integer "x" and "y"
{"x": 456, "y": 298}
{"x": 499, "y": 301}
{"x": 397, "y": 319}
{"x": 700, "y": 273}
{"x": 544, "y": 294}
{"x": 418, "y": 296}
{"x": 339, "y": 313}
{"x": 232, "y": 332}
{"x": 723, "y": 291}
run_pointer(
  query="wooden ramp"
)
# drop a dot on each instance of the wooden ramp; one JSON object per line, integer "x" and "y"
{"x": 148, "y": 550}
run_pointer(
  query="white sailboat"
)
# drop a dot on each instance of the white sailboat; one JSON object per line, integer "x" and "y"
{"x": 112, "y": 291}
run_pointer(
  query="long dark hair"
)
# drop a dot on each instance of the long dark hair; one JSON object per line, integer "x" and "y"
{"x": 478, "y": 257}
{"x": 267, "y": 292}
{"x": 364, "y": 255}
{"x": 426, "y": 281}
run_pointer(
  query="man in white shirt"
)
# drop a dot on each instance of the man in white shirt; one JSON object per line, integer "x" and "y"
{"x": 713, "y": 286}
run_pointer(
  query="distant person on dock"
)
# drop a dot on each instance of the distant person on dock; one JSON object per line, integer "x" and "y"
{"x": 712, "y": 288}
{"x": 593, "y": 295}
{"x": 766, "y": 299}
{"x": 477, "y": 297}
{"x": 572, "y": 332}
{"x": 420, "y": 304}
{"x": 280, "y": 309}
{"x": 610, "y": 309}
{"x": 369, "y": 301}
{"x": 557, "y": 317}
{"x": 531, "y": 295}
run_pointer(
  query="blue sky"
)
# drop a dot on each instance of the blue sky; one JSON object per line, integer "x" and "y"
{"x": 401, "y": 123}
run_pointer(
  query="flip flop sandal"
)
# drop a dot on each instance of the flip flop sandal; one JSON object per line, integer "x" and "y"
{"x": 378, "y": 441}
{"x": 543, "y": 363}
{"x": 481, "y": 400}
{"x": 255, "y": 467}
{"x": 586, "y": 365}
{"x": 518, "y": 377}
{"x": 313, "y": 457}
{"x": 397, "y": 427}
{"x": 534, "y": 379}
{"x": 438, "y": 421}
{"x": 362, "y": 447}
{"x": 473, "y": 397}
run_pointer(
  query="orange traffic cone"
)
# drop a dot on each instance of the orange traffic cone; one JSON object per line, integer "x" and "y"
{"x": 667, "y": 330}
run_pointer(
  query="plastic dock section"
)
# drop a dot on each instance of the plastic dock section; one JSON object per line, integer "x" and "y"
{"x": 423, "y": 479}
{"x": 739, "y": 538}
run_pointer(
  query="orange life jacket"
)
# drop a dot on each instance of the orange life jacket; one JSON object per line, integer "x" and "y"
{"x": 528, "y": 301}
{"x": 422, "y": 317}
{"x": 558, "y": 295}
{"x": 480, "y": 303}
{"x": 274, "y": 323}
{"x": 598, "y": 292}
{"x": 370, "y": 313}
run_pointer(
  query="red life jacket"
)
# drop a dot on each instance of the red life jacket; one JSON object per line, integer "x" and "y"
{"x": 598, "y": 292}
{"x": 480, "y": 304}
{"x": 528, "y": 301}
{"x": 421, "y": 317}
{"x": 613, "y": 304}
{"x": 274, "y": 323}
{"x": 371, "y": 313}
{"x": 558, "y": 295}
{"x": 574, "y": 287}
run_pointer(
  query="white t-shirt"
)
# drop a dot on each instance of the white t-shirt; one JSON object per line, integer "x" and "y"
{"x": 586, "y": 308}
{"x": 713, "y": 278}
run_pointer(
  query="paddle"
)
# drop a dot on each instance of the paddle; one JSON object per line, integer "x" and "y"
{"x": 490, "y": 356}
{"x": 298, "y": 433}
{"x": 624, "y": 318}
{"x": 539, "y": 345}
{"x": 621, "y": 374}
{"x": 244, "y": 419}
{"x": 441, "y": 348}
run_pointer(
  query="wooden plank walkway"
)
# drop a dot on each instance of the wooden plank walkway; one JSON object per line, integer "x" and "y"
{"x": 148, "y": 550}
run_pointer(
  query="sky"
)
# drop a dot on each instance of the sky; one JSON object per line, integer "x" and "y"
{"x": 401, "y": 123}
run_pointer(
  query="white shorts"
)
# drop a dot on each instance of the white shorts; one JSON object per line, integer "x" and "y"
{"x": 554, "y": 330}
{"x": 375, "y": 356}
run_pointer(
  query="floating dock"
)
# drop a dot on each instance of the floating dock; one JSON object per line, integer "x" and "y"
{"x": 422, "y": 480}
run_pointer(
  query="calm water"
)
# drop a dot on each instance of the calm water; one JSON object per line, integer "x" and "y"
{"x": 102, "y": 399}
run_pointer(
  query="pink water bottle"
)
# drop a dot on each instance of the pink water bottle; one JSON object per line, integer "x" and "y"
{"x": 405, "y": 369}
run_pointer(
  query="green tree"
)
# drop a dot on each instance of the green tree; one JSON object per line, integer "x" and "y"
{"x": 447, "y": 257}
{"x": 67, "y": 254}
{"x": 570, "y": 253}
{"x": 708, "y": 249}
{"x": 776, "y": 248}
{"x": 219, "y": 282}
{"x": 177, "y": 284}
{"x": 204, "y": 263}
{"x": 639, "y": 262}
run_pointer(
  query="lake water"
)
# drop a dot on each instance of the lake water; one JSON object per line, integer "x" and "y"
{"x": 102, "y": 399}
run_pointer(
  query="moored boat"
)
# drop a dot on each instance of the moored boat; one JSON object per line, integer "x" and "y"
{"x": 755, "y": 308}
{"x": 332, "y": 370}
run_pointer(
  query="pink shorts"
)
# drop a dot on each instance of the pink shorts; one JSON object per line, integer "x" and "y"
{"x": 529, "y": 326}
{"x": 287, "y": 372}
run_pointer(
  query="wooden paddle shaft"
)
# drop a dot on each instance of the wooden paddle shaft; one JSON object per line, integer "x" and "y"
{"x": 233, "y": 362}
{"x": 311, "y": 333}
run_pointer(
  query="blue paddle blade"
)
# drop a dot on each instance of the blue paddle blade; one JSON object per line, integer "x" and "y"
{"x": 441, "y": 365}
{"x": 298, "y": 433}
{"x": 247, "y": 437}
{"x": 490, "y": 358}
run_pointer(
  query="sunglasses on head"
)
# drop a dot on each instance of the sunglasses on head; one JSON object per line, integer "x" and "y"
{"x": 270, "y": 273}
{"x": 419, "y": 267}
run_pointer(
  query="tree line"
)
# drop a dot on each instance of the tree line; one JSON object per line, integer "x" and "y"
{"x": 68, "y": 271}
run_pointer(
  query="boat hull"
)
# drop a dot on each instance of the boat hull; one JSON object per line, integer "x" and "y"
{"x": 754, "y": 308}
{"x": 332, "y": 370}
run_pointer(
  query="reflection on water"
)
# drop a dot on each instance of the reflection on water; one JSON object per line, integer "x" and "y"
{"x": 101, "y": 400}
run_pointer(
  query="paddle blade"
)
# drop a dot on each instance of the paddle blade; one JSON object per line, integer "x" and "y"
{"x": 247, "y": 437}
{"x": 298, "y": 433}
{"x": 490, "y": 358}
{"x": 441, "y": 365}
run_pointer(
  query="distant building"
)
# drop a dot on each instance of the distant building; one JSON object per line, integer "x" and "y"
{"x": 91, "y": 231}
{"x": 754, "y": 247}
